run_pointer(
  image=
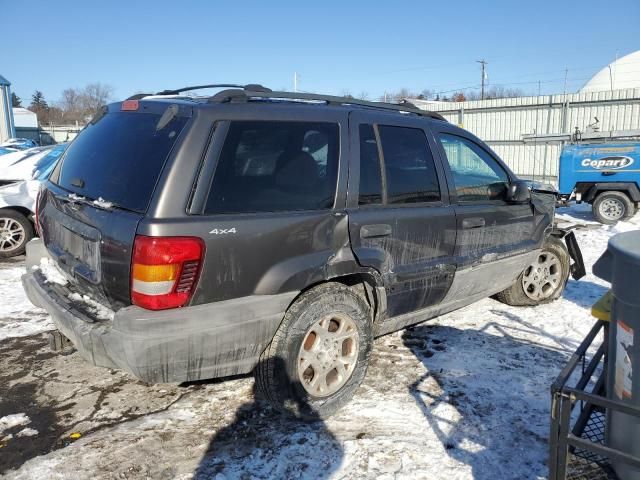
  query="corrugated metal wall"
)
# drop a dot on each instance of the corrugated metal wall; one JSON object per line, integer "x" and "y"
{"x": 503, "y": 122}
{"x": 6, "y": 114}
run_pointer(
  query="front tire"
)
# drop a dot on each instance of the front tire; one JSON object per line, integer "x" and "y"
{"x": 15, "y": 232}
{"x": 544, "y": 280}
{"x": 611, "y": 207}
{"x": 319, "y": 354}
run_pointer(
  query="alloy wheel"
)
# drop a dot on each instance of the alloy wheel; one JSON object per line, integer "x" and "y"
{"x": 12, "y": 234}
{"x": 543, "y": 277}
{"x": 328, "y": 355}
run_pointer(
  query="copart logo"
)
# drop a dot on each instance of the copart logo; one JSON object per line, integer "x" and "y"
{"x": 608, "y": 163}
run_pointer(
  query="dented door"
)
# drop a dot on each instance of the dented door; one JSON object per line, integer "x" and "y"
{"x": 410, "y": 241}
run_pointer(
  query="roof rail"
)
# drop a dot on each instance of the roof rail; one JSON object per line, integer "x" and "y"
{"x": 247, "y": 94}
{"x": 251, "y": 86}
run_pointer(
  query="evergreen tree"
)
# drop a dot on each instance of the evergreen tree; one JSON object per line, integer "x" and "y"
{"x": 16, "y": 101}
{"x": 38, "y": 103}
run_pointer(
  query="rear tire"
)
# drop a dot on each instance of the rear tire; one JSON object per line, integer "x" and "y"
{"x": 612, "y": 207}
{"x": 15, "y": 232}
{"x": 299, "y": 372}
{"x": 544, "y": 280}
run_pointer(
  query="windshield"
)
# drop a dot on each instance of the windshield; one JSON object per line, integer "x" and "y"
{"x": 119, "y": 158}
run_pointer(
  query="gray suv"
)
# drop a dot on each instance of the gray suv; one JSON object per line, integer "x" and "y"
{"x": 194, "y": 238}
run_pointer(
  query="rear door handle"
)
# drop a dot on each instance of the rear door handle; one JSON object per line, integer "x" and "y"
{"x": 474, "y": 222}
{"x": 369, "y": 231}
{"x": 608, "y": 173}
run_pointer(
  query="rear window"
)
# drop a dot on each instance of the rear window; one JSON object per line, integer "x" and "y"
{"x": 119, "y": 158}
{"x": 276, "y": 166}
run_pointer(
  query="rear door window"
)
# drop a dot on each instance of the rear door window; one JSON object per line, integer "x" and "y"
{"x": 271, "y": 166}
{"x": 119, "y": 157}
{"x": 409, "y": 166}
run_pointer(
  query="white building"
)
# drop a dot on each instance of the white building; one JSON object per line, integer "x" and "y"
{"x": 24, "y": 118}
{"x": 621, "y": 74}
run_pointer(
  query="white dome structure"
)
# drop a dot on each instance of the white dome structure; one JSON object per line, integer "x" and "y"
{"x": 623, "y": 73}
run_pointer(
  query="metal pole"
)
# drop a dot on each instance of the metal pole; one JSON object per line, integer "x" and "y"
{"x": 295, "y": 81}
{"x": 483, "y": 63}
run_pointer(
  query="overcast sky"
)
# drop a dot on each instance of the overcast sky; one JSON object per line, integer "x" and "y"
{"x": 335, "y": 46}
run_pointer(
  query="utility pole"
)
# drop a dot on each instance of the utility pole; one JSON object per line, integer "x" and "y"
{"x": 295, "y": 81}
{"x": 566, "y": 73}
{"x": 484, "y": 76}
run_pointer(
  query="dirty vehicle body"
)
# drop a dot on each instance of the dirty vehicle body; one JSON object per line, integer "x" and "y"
{"x": 249, "y": 230}
{"x": 605, "y": 175}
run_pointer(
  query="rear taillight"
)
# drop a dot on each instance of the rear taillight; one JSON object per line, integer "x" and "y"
{"x": 165, "y": 270}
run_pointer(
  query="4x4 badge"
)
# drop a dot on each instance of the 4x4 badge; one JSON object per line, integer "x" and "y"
{"x": 223, "y": 231}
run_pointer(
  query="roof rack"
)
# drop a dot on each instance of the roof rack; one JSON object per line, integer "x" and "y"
{"x": 247, "y": 94}
{"x": 253, "y": 87}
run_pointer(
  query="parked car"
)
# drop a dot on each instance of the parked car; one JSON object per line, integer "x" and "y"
{"x": 605, "y": 175}
{"x": 201, "y": 238}
{"x": 19, "y": 143}
{"x": 4, "y": 150}
{"x": 19, "y": 184}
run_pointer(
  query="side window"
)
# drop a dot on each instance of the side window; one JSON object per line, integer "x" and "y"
{"x": 370, "y": 173}
{"x": 409, "y": 166}
{"x": 276, "y": 166}
{"x": 477, "y": 176}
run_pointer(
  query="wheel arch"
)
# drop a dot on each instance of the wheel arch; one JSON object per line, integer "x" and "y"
{"x": 22, "y": 210}
{"x": 366, "y": 282}
{"x": 630, "y": 189}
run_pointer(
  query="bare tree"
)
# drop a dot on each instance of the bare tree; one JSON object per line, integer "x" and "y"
{"x": 96, "y": 95}
{"x": 406, "y": 94}
{"x": 363, "y": 95}
{"x": 426, "y": 94}
{"x": 496, "y": 91}
{"x": 346, "y": 93}
{"x": 80, "y": 104}
{"x": 72, "y": 105}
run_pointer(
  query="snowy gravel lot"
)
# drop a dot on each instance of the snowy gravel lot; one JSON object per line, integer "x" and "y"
{"x": 462, "y": 396}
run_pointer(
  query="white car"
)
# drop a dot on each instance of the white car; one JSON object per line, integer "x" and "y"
{"x": 19, "y": 143}
{"x": 20, "y": 179}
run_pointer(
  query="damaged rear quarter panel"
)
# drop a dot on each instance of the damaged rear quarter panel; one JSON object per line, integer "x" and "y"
{"x": 264, "y": 254}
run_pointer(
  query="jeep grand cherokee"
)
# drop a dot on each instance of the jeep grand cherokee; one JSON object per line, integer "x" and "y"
{"x": 281, "y": 233}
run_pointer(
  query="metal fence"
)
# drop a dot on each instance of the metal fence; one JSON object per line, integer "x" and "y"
{"x": 522, "y": 130}
{"x": 49, "y": 134}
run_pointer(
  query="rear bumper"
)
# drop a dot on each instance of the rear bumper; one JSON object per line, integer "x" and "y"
{"x": 191, "y": 343}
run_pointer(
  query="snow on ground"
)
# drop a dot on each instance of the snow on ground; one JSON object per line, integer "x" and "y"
{"x": 13, "y": 420}
{"x": 18, "y": 317}
{"x": 463, "y": 396}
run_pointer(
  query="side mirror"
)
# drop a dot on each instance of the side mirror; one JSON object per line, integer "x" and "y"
{"x": 518, "y": 192}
